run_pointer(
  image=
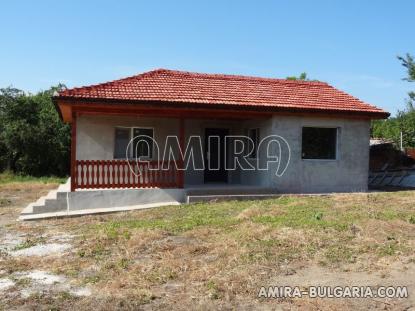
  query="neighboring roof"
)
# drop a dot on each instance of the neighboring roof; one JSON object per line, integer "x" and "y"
{"x": 380, "y": 141}
{"x": 178, "y": 87}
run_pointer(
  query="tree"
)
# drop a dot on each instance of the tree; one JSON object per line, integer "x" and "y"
{"x": 409, "y": 64}
{"x": 33, "y": 139}
{"x": 405, "y": 119}
{"x": 302, "y": 76}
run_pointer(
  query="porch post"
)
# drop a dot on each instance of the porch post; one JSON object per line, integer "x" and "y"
{"x": 181, "y": 143}
{"x": 73, "y": 152}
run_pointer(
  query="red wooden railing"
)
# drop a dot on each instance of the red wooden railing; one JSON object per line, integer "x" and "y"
{"x": 90, "y": 174}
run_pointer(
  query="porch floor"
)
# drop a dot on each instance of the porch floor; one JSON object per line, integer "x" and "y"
{"x": 221, "y": 186}
{"x": 208, "y": 187}
{"x": 221, "y": 191}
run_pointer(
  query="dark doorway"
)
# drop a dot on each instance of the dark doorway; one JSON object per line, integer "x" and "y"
{"x": 215, "y": 155}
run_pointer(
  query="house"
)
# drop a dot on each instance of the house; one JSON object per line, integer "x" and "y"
{"x": 385, "y": 155}
{"x": 323, "y": 133}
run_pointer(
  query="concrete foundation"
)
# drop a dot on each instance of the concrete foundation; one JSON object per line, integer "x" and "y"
{"x": 62, "y": 202}
{"x": 80, "y": 200}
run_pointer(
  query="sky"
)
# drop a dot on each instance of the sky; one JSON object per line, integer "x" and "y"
{"x": 353, "y": 45}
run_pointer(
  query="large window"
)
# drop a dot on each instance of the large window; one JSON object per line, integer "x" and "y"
{"x": 141, "y": 146}
{"x": 319, "y": 143}
{"x": 253, "y": 134}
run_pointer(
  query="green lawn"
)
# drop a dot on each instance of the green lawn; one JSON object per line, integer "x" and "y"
{"x": 8, "y": 177}
{"x": 313, "y": 212}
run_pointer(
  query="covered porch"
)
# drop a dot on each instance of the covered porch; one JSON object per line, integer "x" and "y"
{"x": 95, "y": 166}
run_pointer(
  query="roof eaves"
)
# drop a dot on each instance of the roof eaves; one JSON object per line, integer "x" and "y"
{"x": 378, "y": 113}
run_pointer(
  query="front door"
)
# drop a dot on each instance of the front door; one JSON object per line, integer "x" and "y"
{"x": 215, "y": 155}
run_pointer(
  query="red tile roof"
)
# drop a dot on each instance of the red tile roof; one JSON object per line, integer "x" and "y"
{"x": 180, "y": 87}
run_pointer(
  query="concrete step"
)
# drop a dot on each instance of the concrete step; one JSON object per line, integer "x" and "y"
{"x": 229, "y": 197}
{"x": 53, "y": 201}
{"x": 66, "y": 187}
{"x": 80, "y": 202}
{"x": 50, "y": 206}
{"x": 61, "y": 195}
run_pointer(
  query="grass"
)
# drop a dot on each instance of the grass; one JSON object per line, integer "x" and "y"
{"x": 318, "y": 213}
{"x": 8, "y": 178}
{"x": 29, "y": 242}
{"x": 179, "y": 219}
{"x": 329, "y": 230}
{"x": 221, "y": 253}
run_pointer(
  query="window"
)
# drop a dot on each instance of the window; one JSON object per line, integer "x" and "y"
{"x": 254, "y": 135}
{"x": 143, "y": 142}
{"x": 319, "y": 143}
{"x": 141, "y": 146}
{"x": 122, "y": 138}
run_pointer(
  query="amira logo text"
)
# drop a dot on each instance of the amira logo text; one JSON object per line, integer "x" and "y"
{"x": 230, "y": 152}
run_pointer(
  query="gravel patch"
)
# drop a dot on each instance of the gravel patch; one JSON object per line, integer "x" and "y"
{"x": 44, "y": 282}
{"x": 42, "y": 250}
{"x": 62, "y": 237}
{"x": 10, "y": 241}
{"x": 80, "y": 292}
{"x": 42, "y": 277}
{"x": 5, "y": 284}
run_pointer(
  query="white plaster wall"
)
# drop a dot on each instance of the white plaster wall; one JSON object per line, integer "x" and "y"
{"x": 96, "y": 134}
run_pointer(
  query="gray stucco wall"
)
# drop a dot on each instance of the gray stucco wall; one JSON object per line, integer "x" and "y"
{"x": 349, "y": 172}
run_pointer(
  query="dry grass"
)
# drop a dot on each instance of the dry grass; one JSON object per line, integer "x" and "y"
{"x": 209, "y": 256}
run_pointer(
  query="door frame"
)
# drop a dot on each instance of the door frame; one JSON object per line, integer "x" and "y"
{"x": 225, "y": 178}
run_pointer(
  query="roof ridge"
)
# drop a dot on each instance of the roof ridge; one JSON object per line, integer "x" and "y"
{"x": 239, "y": 77}
{"x": 204, "y": 75}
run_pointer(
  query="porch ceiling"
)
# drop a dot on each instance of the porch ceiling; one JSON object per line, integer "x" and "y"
{"x": 68, "y": 109}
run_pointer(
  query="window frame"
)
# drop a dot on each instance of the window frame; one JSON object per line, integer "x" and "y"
{"x": 152, "y": 145}
{"x": 131, "y": 133}
{"x": 337, "y": 144}
{"x": 257, "y": 136}
{"x": 115, "y": 137}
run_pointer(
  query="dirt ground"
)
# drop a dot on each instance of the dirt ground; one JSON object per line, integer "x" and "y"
{"x": 208, "y": 256}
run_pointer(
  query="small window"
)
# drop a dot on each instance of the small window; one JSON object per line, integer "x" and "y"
{"x": 143, "y": 143}
{"x": 319, "y": 143}
{"x": 141, "y": 146}
{"x": 122, "y": 138}
{"x": 254, "y": 135}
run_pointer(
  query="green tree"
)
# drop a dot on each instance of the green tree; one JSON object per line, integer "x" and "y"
{"x": 405, "y": 119}
{"x": 302, "y": 76}
{"x": 409, "y": 64}
{"x": 33, "y": 139}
